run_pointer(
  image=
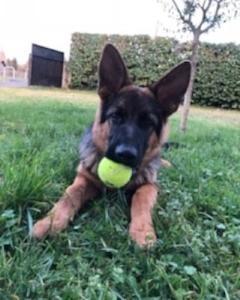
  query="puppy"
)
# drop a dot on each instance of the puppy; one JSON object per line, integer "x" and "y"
{"x": 130, "y": 127}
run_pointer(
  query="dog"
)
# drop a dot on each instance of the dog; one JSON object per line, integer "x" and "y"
{"x": 130, "y": 127}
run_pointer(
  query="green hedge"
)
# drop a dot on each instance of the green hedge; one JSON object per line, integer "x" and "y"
{"x": 218, "y": 75}
{"x": 145, "y": 58}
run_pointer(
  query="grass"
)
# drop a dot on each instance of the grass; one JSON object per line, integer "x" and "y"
{"x": 197, "y": 218}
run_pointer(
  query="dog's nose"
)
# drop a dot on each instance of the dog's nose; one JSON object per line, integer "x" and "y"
{"x": 126, "y": 154}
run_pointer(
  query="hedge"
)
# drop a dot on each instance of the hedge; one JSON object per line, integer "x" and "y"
{"x": 218, "y": 75}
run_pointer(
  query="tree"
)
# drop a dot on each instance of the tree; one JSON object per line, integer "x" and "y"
{"x": 15, "y": 63}
{"x": 199, "y": 17}
{"x": 12, "y": 63}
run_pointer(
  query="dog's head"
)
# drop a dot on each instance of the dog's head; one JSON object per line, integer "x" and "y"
{"x": 131, "y": 117}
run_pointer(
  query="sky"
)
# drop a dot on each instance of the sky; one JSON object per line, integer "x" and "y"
{"x": 50, "y": 23}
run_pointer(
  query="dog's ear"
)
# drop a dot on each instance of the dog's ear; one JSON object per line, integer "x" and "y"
{"x": 113, "y": 73}
{"x": 170, "y": 89}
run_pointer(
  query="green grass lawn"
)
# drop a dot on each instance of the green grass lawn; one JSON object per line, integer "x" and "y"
{"x": 197, "y": 218}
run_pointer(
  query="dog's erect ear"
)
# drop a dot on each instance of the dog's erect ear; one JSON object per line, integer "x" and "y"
{"x": 113, "y": 73}
{"x": 170, "y": 89}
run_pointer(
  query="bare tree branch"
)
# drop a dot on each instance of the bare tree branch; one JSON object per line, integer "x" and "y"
{"x": 215, "y": 17}
{"x": 204, "y": 11}
{"x": 204, "y": 2}
{"x": 181, "y": 15}
{"x": 208, "y": 5}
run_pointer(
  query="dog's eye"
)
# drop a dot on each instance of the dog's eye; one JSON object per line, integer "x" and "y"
{"x": 117, "y": 117}
{"x": 146, "y": 122}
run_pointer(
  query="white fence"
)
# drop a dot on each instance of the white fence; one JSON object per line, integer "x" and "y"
{"x": 9, "y": 77}
{"x": 9, "y": 72}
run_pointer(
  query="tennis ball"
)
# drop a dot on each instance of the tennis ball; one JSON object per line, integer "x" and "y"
{"x": 113, "y": 174}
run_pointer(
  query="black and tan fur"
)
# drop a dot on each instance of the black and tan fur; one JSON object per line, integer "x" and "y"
{"x": 130, "y": 127}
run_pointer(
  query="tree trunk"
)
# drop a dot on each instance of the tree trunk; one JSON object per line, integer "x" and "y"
{"x": 188, "y": 96}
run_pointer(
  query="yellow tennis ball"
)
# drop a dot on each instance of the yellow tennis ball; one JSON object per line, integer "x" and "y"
{"x": 113, "y": 174}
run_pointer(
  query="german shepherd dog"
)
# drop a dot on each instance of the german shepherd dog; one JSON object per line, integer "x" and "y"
{"x": 130, "y": 127}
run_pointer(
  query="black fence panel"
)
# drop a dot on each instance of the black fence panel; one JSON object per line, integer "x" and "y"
{"x": 46, "y": 66}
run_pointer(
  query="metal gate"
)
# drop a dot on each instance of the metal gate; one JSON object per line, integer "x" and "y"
{"x": 45, "y": 66}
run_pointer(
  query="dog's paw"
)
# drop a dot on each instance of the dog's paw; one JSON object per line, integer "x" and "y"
{"x": 50, "y": 225}
{"x": 56, "y": 220}
{"x": 143, "y": 234}
{"x": 41, "y": 228}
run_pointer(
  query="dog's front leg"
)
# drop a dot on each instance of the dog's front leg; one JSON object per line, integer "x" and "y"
{"x": 82, "y": 189}
{"x": 141, "y": 226}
